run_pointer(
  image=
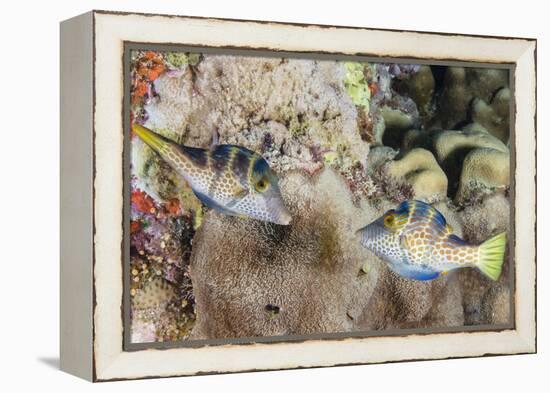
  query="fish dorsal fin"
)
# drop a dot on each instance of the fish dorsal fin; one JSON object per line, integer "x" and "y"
{"x": 197, "y": 156}
{"x": 419, "y": 210}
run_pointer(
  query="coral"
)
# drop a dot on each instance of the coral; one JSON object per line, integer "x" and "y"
{"x": 398, "y": 303}
{"x": 452, "y": 147}
{"x": 396, "y": 122}
{"x": 495, "y": 306}
{"x": 179, "y": 59}
{"x": 420, "y": 88}
{"x": 473, "y": 160}
{"x": 162, "y": 301}
{"x": 448, "y": 143}
{"x": 419, "y": 168}
{"x": 488, "y": 216}
{"x": 176, "y": 59}
{"x": 156, "y": 312}
{"x": 389, "y": 187}
{"x": 156, "y": 292}
{"x": 146, "y": 67}
{"x": 391, "y": 114}
{"x": 494, "y": 117}
{"x": 483, "y": 170}
{"x": 460, "y": 86}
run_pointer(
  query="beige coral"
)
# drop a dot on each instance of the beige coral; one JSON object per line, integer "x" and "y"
{"x": 448, "y": 143}
{"x": 419, "y": 168}
{"x": 483, "y": 169}
{"x": 313, "y": 276}
{"x": 452, "y": 147}
{"x": 494, "y": 116}
{"x": 461, "y": 86}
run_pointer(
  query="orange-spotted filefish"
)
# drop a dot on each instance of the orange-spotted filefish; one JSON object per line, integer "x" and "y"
{"x": 417, "y": 243}
{"x": 227, "y": 178}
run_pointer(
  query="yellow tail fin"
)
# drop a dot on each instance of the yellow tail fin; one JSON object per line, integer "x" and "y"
{"x": 491, "y": 256}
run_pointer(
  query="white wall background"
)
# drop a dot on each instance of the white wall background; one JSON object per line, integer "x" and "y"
{"x": 29, "y": 110}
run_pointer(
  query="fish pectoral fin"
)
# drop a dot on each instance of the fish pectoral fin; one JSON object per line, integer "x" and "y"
{"x": 240, "y": 194}
{"x": 404, "y": 242}
{"x": 209, "y": 202}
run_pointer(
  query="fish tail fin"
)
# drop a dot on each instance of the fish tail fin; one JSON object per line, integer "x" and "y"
{"x": 491, "y": 256}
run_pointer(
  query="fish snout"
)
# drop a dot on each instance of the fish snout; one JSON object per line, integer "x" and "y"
{"x": 369, "y": 233}
{"x": 277, "y": 211}
{"x": 284, "y": 217}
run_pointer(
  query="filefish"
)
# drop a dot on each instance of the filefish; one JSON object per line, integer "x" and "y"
{"x": 227, "y": 178}
{"x": 417, "y": 243}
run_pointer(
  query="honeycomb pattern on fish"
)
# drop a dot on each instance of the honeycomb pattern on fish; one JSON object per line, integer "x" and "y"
{"x": 417, "y": 243}
{"x": 230, "y": 179}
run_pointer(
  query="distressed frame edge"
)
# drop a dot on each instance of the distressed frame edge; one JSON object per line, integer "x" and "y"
{"x": 303, "y": 24}
{"x": 526, "y": 339}
{"x": 76, "y": 207}
{"x": 526, "y": 288}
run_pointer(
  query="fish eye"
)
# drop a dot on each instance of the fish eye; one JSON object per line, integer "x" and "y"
{"x": 389, "y": 220}
{"x": 261, "y": 185}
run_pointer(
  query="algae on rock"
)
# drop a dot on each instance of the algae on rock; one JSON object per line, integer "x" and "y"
{"x": 283, "y": 108}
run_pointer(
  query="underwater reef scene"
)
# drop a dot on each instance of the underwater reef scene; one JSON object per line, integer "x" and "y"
{"x": 265, "y": 193}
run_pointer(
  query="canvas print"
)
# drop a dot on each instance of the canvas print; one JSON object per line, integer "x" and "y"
{"x": 283, "y": 196}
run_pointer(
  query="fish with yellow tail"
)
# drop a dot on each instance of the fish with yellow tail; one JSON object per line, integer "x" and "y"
{"x": 229, "y": 179}
{"x": 417, "y": 243}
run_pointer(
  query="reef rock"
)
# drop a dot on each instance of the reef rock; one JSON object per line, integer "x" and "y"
{"x": 292, "y": 111}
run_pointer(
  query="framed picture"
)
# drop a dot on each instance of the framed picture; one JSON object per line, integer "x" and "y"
{"x": 245, "y": 195}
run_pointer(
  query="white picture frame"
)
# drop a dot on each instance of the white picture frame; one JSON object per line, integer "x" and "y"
{"x": 92, "y": 140}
